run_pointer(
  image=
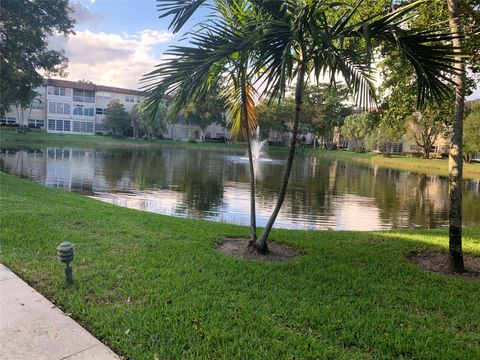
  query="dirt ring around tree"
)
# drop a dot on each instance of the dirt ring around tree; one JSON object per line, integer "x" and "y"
{"x": 436, "y": 261}
{"x": 239, "y": 247}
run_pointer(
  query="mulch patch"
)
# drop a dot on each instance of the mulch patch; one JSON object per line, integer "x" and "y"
{"x": 437, "y": 261}
{"x": 239, "y": 247}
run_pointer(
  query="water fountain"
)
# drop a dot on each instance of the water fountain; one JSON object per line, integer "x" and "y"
{"x": 258, "y": 147}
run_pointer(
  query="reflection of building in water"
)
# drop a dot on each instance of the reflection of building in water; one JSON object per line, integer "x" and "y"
{"x": 28, "y": 164}
{"x": 71, "y": 169}
{"x": 65, "y": 168}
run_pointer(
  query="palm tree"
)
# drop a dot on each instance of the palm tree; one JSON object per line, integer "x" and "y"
{"x": 455, "y": 160}
{"x": 295, "y": 39}
{"x": 195, "y": 72}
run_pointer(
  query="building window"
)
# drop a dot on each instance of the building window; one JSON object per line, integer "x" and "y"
{"x": 84, "y": 95}
{"x": 129, "y": 98}
{"x": 103, "y": 95}
{"x": 37, "y": 106}
{"x": 57, "y": 90}
{"x": 58, "y": 108}
{"x": 82, "y": 127}
{"x": 36, "y": 122}
{"x": 59, "y": 125}
{"x": 8, "y": 120}
{"x": 99, "y": 111}
{"x": 138, "y": 100}
{"x": 81, "y": 111}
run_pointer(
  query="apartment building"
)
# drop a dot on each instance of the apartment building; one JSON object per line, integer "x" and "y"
{"x": 69, "y": 107}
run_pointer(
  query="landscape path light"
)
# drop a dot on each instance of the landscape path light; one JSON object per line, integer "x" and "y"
{"x": 65, "y": 252}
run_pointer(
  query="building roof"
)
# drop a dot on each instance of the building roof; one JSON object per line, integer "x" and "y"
{"x": 89, "y": 86}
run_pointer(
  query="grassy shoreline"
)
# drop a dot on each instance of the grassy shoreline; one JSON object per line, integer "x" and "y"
{"x": 430, "y": 167}
{"x": 403, "y": 163}
{"x": 152, "y": 285}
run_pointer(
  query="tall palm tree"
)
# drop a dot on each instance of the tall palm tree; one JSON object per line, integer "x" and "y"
{"x": 304, "y": 37}
{"x": 197, "y": 70}
{"x": 295, "y": 39}
{"x": 455, "y": 159}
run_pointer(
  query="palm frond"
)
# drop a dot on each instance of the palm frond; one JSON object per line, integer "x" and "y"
{"x": 182, "y": 11}
{"x": 233, "y": 99}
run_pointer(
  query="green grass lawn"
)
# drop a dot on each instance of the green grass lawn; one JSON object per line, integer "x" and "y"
{"x": 153, "y": 286}
{"x": 39, "y": 138}
{"x": 431, "y": 166}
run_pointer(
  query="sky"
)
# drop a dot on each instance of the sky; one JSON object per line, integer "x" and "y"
{"x": 115, "y": 41}
{"x": 118, "y": 41}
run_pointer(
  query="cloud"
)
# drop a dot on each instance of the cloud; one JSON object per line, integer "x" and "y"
{"x": 83, "y": 15}
{"x": 110, "y": 59}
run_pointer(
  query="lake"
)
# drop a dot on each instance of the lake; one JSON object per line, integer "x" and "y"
{"x": 324, "y": 193}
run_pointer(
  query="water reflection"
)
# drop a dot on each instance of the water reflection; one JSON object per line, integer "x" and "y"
{"x": 323, "y": 193}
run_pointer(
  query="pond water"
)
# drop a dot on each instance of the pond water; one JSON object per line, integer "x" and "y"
{"x": 213, "y": 184}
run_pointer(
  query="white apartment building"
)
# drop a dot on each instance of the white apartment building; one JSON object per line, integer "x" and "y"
{"x": 69, "y": 107}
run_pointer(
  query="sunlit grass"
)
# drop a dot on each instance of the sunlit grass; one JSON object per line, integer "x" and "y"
{"x": 150, "y": 284}
{"x": 404, "y": 163}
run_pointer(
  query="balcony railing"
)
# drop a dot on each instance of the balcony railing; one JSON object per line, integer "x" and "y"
{"x": 85, "y": 99}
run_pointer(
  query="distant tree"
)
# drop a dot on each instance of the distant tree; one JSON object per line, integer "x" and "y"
{"x": 206, "y": 112}
{"x": 357, "y": 126}
{"x": 117, "y": 120}
{"x": 382, "y": 137}
{"x": 154, "y": 126}
{"x": 471, "y": 133}
{"x": 24, "y": 29}
{"x": 136, "y": 118}
{"x": 273, "y": 118}
{"x": 22, "y": 108}
{"x": 324, "y": 109}
{"x": 425, "y": 125}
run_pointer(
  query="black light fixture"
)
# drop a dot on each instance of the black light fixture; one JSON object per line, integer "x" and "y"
{"x": 65, "y": 252}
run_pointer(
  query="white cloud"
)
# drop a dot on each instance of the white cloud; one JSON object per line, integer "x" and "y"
{"x": 110, "y": 59}
{"x": 82, "y": 14}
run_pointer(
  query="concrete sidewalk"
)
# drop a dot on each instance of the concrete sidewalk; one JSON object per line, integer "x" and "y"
{"x": 31, "y": 327}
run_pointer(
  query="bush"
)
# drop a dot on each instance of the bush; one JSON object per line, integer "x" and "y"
{"x": 192, "y": 141}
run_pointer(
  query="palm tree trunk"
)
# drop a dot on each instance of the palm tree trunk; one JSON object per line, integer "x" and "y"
{"x": 261, "y": 243}
{"x": 253, "y": 217}
{"x": 455, "y": 159}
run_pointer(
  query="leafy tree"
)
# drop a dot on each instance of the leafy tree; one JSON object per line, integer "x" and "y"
{"x": 24, "y": 29}
{"x": 471, "y": 133}
{"x": 154, "y": 126}
{"x": 273, "y": 118}
{"x": 206, "y": 112}
{"x": 324, "y": 109}
{"x": 293, "y": 40}
{"x": 22, "y": 107}
{"x": 357, "y": 126}
{"x": 136, "y": 118}
{"x": 424, "y": 126}
{"x": 117, "y": 120}
{"x": 383, "y": 137}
